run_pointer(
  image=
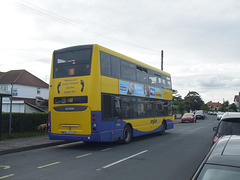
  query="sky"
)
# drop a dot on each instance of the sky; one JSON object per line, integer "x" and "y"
{"x": 200, "y": 38}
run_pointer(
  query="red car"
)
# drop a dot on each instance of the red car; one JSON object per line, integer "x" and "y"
{"x": 188, "y": 117}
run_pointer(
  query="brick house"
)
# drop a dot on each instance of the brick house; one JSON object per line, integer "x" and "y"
{"x": 215, "y": 106}
{"x": 29, "y": 93}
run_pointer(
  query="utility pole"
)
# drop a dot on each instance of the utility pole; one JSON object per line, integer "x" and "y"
{"x": 162, "y": 60}
{"x": 10, "y": 119}
{"x": 0, "y": 118}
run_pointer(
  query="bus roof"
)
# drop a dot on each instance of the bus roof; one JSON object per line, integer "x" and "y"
{"x": 101, "y": 48}
{"x": 130, "y": 59}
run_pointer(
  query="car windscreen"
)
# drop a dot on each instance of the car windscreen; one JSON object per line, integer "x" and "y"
{"x": 188, "y": 114}
{"x": 216, "y": 172}
{"x": 72, "y": 63}
{"x": 229, "y": 127}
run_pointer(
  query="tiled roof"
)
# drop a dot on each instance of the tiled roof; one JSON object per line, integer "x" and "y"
{"x": 22, "y": 77}
{"x": 215, "y": 104}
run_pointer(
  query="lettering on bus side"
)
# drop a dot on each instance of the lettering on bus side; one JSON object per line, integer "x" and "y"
{"x": 154, "y": 121}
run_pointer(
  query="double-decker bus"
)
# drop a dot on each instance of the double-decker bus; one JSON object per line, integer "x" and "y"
{"x": 99, "y": 95}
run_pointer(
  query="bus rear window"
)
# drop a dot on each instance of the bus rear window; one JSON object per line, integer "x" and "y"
{"x": 72, "y": 63}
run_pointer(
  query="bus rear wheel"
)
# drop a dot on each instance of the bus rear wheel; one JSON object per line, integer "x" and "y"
{"x": 127, "y": 134}
{"x": 164, "y": 126}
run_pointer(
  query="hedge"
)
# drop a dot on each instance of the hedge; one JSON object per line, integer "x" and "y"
{"x": 23, "y": 122}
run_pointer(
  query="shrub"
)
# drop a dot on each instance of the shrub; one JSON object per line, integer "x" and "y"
{"x": 23, "y": 122}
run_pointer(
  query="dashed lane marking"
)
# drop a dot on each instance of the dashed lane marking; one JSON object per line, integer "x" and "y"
{"x": 48, "y": 165}
{"x": 68, "y": 144}
{"x": 7, "y": 176}
{"x": 106, "y": 149}
{"x": 84, "y": 155}
{"x": 4, "y": 167}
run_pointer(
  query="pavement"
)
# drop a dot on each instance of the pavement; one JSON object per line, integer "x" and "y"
{"x": 23, "y": 144}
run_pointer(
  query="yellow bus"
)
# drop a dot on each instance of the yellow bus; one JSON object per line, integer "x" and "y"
{"x": 99, "y": 95}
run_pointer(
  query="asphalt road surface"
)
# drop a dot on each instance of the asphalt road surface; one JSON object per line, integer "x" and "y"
{"x": 175, "y": 155}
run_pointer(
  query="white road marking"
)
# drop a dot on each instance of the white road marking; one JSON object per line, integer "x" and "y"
{"x": 114, "y": 163}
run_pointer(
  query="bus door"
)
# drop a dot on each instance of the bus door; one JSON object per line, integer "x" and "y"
{"x": 118, "y": 123}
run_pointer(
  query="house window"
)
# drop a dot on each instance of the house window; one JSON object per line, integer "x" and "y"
{"x": 38, "y": 91}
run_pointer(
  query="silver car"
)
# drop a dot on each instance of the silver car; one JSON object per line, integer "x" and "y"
{"x": 222, "y": 162}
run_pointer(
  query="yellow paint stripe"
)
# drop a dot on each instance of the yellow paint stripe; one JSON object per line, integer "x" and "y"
{"x": 7, "y": 176}
{"x": 84, "y": 155}
{"x": 5, "y": 167}
{"x": 106, "y": 149}
{"x": 63, "y": 145}
{"x": 48, "y": 165}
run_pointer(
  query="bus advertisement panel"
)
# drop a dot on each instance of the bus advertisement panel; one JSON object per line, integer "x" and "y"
{"x": 131, "y": 88}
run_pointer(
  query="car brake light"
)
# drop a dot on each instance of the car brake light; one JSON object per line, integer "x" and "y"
{"x": 215, "y": 139}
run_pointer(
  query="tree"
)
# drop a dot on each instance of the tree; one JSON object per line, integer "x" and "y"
{"x": 188, "y": 105}
{"x": 195, "y": 99}
{"x": 224, "y": 106}
{"x": 178, "y": 104}
{"x": 205, "y": 107}
{"x": 232, "y": 108}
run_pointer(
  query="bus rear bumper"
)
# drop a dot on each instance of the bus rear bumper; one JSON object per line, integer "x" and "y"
{"x": 92, "y": 137}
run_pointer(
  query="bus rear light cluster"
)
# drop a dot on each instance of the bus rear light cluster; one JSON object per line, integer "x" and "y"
{"x": 49, "y": 122}
{"x": 94, "y": 122}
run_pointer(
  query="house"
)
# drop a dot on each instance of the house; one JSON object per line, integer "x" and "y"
{"x": 215, "y": 106}
{"x": 236, "y": 101}
{"x": 29, "y": 93}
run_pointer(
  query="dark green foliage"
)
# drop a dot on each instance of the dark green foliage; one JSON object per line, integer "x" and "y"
{"x": 23, "y": 122}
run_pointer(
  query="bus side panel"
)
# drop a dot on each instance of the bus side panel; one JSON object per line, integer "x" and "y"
{"x": 167, "y": 94}
{"x": 149, "y": 125}
{"x": 110, "y": 85}
{"x": 111, "y": 130}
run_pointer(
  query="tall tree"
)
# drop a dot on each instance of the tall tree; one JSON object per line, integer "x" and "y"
{"x": 195, "y": 99}
{"x": 178, "y": 104}
{"x": 233, "y": 107}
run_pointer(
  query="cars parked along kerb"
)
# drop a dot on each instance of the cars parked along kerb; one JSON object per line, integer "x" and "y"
{"x": 228, "y": 125}
{"x": 200, "y": 114}
{"x": 220, "y": 115}
{"x": 222, "y": 162}
{"x": 188, "y": 117}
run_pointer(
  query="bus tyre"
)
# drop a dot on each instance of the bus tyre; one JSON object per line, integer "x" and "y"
{"x": 127, "y": 134}
{"x": 163, "y": 128}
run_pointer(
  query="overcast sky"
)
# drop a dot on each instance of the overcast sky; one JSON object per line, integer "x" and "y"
{"x": 200, "y": 38}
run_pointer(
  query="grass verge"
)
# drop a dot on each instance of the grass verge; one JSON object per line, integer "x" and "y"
{"x": 14, "y": 135}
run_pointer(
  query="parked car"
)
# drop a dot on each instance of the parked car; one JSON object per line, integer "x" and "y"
{"x": 220, "y": 115}
{"x": 199, "y": 114}
{"x": 222, "y": 162}
{"x": 228, "y": 125}
{"x": 188, "y": 117}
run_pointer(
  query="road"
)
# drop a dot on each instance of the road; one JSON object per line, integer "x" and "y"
{"x": 175, "y": 155}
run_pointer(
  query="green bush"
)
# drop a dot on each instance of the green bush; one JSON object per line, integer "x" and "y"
{"x": 23, "y": 122}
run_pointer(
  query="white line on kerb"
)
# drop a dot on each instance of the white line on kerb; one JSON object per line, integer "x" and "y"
{"x": 112, "y": 164}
